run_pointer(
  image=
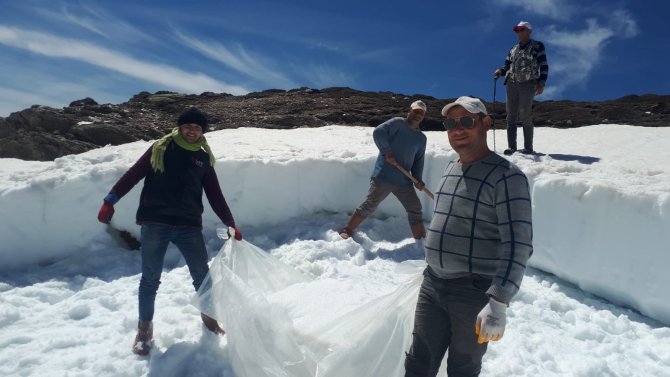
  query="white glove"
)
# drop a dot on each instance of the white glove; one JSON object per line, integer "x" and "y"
{"x": 491, "y": 321}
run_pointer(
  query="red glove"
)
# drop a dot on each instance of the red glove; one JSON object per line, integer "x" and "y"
{"x": 106, "y": 212}
{"x": 238, "y": 234}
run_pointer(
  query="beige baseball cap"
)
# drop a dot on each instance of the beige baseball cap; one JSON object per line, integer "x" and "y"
{"x": 418, "y": 105}
{"x": 471, "y": 104}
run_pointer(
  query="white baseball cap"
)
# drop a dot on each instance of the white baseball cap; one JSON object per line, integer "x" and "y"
{"x": 418, "y": 105}
{"x": 470, "y": 104}
{"x": 523, "y": 25}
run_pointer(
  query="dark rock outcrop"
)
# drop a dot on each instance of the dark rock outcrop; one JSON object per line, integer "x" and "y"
{"x": 43, "y": 133}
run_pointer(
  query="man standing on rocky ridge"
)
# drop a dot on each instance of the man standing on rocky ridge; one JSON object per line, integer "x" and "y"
{"x": 176, "y": 169}
{"x": 526, "y": 71}
{"x": 400, "y": 142}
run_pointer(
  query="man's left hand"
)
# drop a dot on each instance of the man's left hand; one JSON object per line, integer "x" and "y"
{"x": 491, "y": 321}
{"x": 420, "y": 185}
{"x": 539, "y": 88}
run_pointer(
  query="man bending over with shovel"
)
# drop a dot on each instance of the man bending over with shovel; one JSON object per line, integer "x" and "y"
{"x": 401, "y": 145}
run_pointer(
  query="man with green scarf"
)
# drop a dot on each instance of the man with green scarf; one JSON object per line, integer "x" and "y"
{"x": 176, "y": 170}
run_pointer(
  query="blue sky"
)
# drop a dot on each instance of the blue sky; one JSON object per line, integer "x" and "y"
{"x": 54, "y": 52}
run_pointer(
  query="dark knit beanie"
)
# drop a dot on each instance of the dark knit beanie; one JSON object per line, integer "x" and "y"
{"x": 193, "y": 115}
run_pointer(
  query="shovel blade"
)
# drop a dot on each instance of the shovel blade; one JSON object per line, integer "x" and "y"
{"x": 123, "y": 238}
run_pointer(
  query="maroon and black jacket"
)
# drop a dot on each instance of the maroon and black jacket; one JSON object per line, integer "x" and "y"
{"x": 174, "y": 196}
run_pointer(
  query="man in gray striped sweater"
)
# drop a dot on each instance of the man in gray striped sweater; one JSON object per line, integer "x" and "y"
{"x": 477, "y": 246}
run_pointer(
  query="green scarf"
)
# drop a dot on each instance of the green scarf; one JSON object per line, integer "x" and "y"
{"x": 158, "y": 150}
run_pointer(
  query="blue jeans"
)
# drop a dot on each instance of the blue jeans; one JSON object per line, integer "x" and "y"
{"x": 155, "y": 239}
{"x": 445, "y": 318}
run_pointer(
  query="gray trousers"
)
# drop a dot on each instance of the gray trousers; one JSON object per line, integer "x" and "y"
{"x": 519, "y": 108}
{"x": 445, "y": 319}
{"x": 380, "y": 189}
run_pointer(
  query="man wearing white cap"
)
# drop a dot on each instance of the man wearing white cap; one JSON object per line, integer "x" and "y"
{"x": 526, "y": 71}
{"x": 477, "y": 246}
{"x": 400, "y": 142}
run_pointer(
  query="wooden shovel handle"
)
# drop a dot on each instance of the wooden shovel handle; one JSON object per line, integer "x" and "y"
{"x": 414, "y": 180}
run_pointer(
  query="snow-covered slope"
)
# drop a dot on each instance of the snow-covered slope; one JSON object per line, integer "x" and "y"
{"x": 601, "y": 197}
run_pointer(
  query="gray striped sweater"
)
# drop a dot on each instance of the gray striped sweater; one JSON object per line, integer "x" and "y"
{"x": 482, "y": 224}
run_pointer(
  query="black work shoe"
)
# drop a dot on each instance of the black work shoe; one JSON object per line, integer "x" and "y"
{"x": 509, "y": 151}
{"x": 527, "y": 151}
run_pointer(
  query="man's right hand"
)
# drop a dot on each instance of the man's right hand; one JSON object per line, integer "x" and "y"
{"x": 497, "y": 73}
{"x": 106, "y": 212}
{"x": 390, "y": 158}
{"x": 420, "y": 185}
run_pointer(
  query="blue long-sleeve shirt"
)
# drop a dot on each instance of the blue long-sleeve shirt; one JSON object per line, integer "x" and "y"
{"x": 407, "y": 144}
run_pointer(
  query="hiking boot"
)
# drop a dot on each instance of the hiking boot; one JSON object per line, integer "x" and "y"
{"x": 527, "y": 151}
{"x": 144, "y": 338}
{"x": 211, "y": 324}
{"x": 509, "y": 151}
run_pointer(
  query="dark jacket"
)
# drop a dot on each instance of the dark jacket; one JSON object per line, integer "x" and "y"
{"x": 174, "y": 196}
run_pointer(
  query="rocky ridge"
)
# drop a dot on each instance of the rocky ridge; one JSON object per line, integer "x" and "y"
{"x": 44, "y": 133}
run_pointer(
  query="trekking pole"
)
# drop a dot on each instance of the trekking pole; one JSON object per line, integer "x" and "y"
{"x": 414, "y": 180}
{"x": 493, "y": 120}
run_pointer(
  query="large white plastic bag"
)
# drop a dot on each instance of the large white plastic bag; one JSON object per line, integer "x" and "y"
{"x": 370, "y": 340}
{"x": 262, "y": 341}
{"x": 255, "y": 269}
{"x": 258, "y": 268}
{"x": 261, "y": 338}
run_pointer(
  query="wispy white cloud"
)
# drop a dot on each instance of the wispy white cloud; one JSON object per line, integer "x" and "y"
{"x": 623, "y": 23}
{"x": 574, "y": 51}
{"x": 315, "y": 74}
{"x": 240, "y": 60}
{"x": 96, "y": 21}
{"x": 14, "y": 100}
{"x": 55, "y": 94}
{"x": 381, "y": 55}
{"x": 578, "y": 52}
{"x": 28, "y": 85}
{"x": 323, "y": 76}
{"x": 58, "y": 47}
{"x": 319, "y": 45}
{"x": 555, "y": 9}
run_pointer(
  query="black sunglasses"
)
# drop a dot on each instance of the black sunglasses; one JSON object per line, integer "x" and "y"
{"x": 466, "y": 122}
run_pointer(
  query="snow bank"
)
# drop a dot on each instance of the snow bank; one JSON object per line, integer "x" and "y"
{"x": 600, "y": 211}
